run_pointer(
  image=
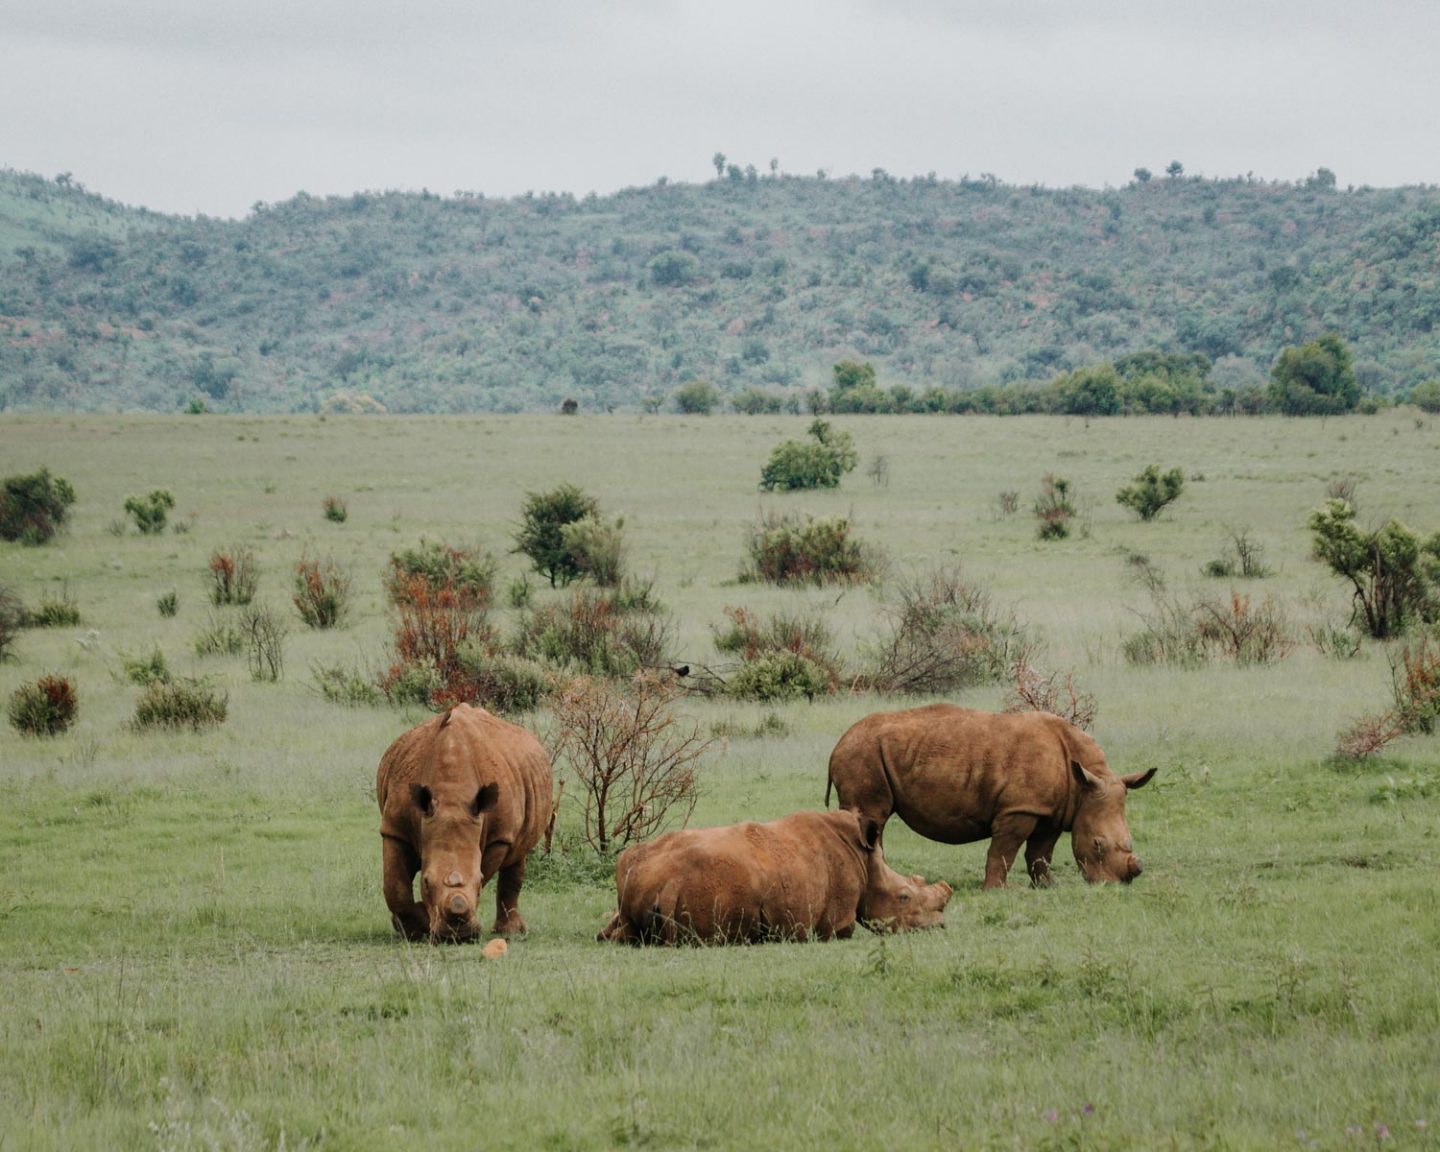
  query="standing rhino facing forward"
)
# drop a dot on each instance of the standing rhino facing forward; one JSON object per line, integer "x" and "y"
{"x": 462, "y": 796}
{"x": 957, "y": 776}
{"x": 809, "y": 874}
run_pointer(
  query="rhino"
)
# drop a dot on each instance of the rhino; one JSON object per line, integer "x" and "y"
{"x": 957, "y": 775}
{"x": 462, "y": 796}
{"x": 810, "y": 874}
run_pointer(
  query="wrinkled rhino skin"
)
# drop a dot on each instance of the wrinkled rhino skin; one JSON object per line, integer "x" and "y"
{"x": 957, "y": 775}
{"x": 811, "y": 874}
{"x": 462, "y": 796}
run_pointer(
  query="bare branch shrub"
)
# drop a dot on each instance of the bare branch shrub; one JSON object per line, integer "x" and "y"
{"x": 264, "y": 634}
{"x": 943, "y": 633}
{"x": 1035, "y": 691}
{"x": 1240, "y": 632}
{"x": 634, "y": 759}
{"x": 1007, "y": 503}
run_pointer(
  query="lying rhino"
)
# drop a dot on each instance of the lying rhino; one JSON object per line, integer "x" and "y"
{"x": 462, "y": 796}
{"x": 810, "y": 874}
{"x": 957, "y": 776}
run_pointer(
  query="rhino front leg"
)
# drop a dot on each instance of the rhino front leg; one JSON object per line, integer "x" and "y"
{"x": 508, "y": 920}
{"x": 1006, "y": 837}
{"x": 401, "y": 862}
{"x": 1038, "y": 851}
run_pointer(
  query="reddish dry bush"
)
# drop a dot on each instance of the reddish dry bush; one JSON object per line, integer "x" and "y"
{"x": 1034, "y": 691}
{"x": 322, "y": 592}
{"x": 1368, "y": 735}
{"x": 436, "y": 625}
{"x": 45, "y": 708}
{"x": 1415, "y": 681}
{"x": 634, "y": 759}
{"x": 1246, "y": 634}
{"x": 233, "y": 576}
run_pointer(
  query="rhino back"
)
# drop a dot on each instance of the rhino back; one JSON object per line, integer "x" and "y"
{"x": 953, "y": 770}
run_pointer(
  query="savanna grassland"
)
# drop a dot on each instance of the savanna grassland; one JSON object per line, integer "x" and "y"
{"x": 194, "y": 949}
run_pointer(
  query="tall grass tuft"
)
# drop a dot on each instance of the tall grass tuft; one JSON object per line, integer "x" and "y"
{"x": 185, "y": 703}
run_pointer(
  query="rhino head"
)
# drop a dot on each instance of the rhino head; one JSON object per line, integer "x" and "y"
{"x": 1100, "y": 836}
{"x": 452, "y": 818}
{"x": 891, "y": 902}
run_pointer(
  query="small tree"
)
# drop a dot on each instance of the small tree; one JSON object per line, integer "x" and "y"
{"x": 1426, "y": 396}
{"x": 541, "y": 535}
{"x": 798, "y": 464}
{"x": 635, "y": 760}
{"x": 150, "y": 512}
{"x": 1315, "y": 379}
{"x": 696, "y": 398}
{"x": 34, "y": 507}
{"x": 1151, "y": 491}
{"x": 1390, "y": 570}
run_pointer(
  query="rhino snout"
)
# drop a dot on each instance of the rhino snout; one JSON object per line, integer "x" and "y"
{"x": 1135, "y": 867}
{"x": 457, "y": 907}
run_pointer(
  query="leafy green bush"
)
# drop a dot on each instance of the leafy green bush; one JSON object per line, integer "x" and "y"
{"x": 1314, "y": 379}
{"x": 596, "y": 549}
{"x": 503, "y": 682}
{"x": 335, "y": 510}
{"x": 45, "y": 708}
{"x": 784, "y": 549}
{"x": 218, "y": 638}
{"x": 541, "y": 536}
{"x": 1151, "y": 491}
{"x": 234, "y": 575}
{"x": 1426, "y": 396}
{"x": 187, "y": 703}
{"x": 168, "y": 603}
{"x": 322, "y": 592}
{"x": 796, "y": 465}
{"x": 34, "y": 507}
{"x": 779, "y": 676}
{"x": 147, "y": 669}
{"x": 150, "y": 512}
{"x": 696, "y": 398}
{"x": 756, "y": 639}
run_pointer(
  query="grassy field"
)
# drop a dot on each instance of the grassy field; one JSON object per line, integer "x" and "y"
{"x": 195, "y": 953}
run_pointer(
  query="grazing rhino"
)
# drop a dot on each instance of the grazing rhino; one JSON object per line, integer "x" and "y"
{"x": 809, "y": 874}
{"x": 957, "y": 776}
{"x": 462, "y": 796}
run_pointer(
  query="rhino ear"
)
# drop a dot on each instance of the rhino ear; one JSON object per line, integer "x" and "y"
{"x": 1082, "y": 777}
{"x": 1138, "y": 779}
{"x": 484, "y": 799}
{"x": 422, "y": 799}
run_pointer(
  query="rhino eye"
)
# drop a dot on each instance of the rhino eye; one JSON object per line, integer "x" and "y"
{"x": 1099, "y": 844}
{"x": 904, "y": 896}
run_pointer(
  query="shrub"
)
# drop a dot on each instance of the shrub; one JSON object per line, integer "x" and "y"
{"x": 13, "y": 618}
{"x": 59, "y": 612}
{"x": 1337, "y": 643}
{"x": 1426, "y": 396}
{"x": 344, "y": 684}
{"x": 1415, "y": 683}
{"x": 150, "y": 512}
{"x": 264, "y": 634}
{"x": 168, "y": 603}
{"x": 541, "y": 534}
{"x": 1151, "y": 491}
{"x": 233, "y": 576}
{"x": 1314, "y": 379}
{"x": 779, "y": 676}
{"x": 465, "y": 574}
{"x": 596, "y": 549}
{"x": 1390, "y": 571}
{"x": 1007, "y": 503}
{"x": 147, "y": 669}
{"x": 322, "y": 592}
{"x": 34, "y": 507}
{"x": 435, "y": 623}
{"x": 335, "y": 510}
{"x": 219, "y": 638}
{"x": 1032, "y": 690}
{"x": 1191, "y": 633}
{"x": 1053, "y": 508}
{"x": 503, "y": 682}
{"x": 1242, "y": 556}
{"x": 45, "y": 708}
{"x": 634, "y": 759}
{"x": 943, "y": 634}
{"x": 800, "y": 464}
{"x": 592, "y": 632}
{"x": 785, "y": 549}
{"x": 696, "y": 398}
{"x": 192, "y": 704}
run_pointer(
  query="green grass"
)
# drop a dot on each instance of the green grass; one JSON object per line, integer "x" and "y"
{"x": 195, "y": 953}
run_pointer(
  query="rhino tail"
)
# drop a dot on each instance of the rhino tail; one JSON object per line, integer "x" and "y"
{"x": 829, "y": 784}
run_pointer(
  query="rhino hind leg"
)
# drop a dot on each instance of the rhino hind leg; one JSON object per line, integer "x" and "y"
{"x": 618, "y": 931}
{"x": 1038, "y": 851}
{"x": 508, "y": 920}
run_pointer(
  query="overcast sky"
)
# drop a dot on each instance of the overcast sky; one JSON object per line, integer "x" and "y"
{"x": 211, "y": 105}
